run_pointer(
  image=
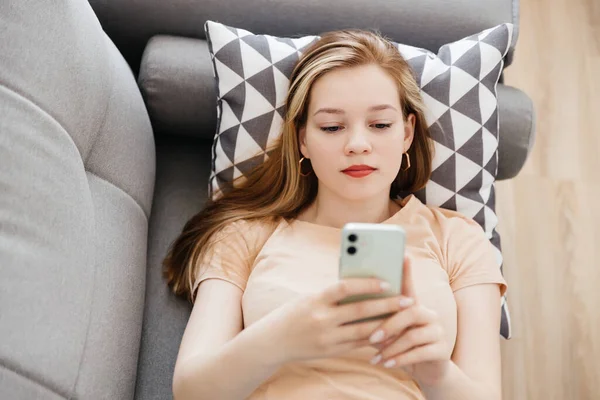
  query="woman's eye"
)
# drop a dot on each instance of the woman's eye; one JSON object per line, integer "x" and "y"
{"x": 382, "y": 126}
{"x": 331, "y": 128}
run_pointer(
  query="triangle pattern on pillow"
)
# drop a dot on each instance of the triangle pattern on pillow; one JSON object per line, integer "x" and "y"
{"x": 437, "y": 194}
{"x": 252, "y": 61}
{"x": 256, "y": 104}
{"x": 255, "y": 128}
{"x": 439, "y": 87}
{"x": 221, "y": 35}
{"x": 418, "y": 64}
{"x": 286, "y": 65}
{"x": 228, "y": 142}
{"x": 469, "y": 171}
{"x": 230, "y": 78}
{"x": 233, "y": 95}
{"x": 473, "y": 148}
{"x": 462, "y": 82}
{"x": 466, "y": 55}
{"x": 260, "y": 44}
{"x": 469, "y": 103}
{"x": 265, "y": 80}
{"x": 410, "y": 52}
{"x": 247, "y": 165}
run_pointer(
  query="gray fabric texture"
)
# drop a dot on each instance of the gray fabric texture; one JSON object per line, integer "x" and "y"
{"x": 109, "y": 365}
{"x": 177, "y": 83}
{"x": 183, "y": 166}
{"x": 15, "y": 386}
{"x": 46, "y": 246}
{"x": 428, "y": 23}
{"x": 516, "y": 114}
{"x": 123, "y": 149}
{"x": 76, "y": 187}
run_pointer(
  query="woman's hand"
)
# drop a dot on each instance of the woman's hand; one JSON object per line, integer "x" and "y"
{"x": 413, "y": 339}
{"x": 316, "y": 326}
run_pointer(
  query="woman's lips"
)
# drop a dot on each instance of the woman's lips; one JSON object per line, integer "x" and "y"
{"x": 359, "y": 171}
{"x": 359, "y": 174}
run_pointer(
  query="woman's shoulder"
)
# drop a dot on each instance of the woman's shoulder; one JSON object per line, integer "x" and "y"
{"x": 254, "y": 232}
{"x": 452, "y": 217}
{"x": 444, "y": 218}
{"x": 456, "y": 233}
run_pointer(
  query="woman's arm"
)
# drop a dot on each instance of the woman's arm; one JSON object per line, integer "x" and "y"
{"x": 418, "y": 344}
{"x": 474, "y": 371}
{"x": 217, "y": 359}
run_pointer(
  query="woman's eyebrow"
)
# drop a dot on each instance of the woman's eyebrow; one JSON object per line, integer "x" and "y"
{"x": 339, "y": 111}
{"x": 329, "y": 111}
{"x": 382, "y": 107}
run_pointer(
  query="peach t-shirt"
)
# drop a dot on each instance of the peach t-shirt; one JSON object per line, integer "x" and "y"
{"x": 449, "y": 252}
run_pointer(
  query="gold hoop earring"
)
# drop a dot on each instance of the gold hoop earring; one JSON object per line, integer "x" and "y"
{"x": 300, "y": 170}
{"x": 407, "y": 161}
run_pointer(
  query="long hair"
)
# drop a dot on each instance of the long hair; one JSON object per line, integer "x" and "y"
{"x": 275, "y": 189}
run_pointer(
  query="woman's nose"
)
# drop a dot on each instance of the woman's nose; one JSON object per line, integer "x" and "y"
{"x": 358, "y": 142}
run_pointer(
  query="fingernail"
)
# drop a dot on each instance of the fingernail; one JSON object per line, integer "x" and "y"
{"x": 389, "y": 363}
{"x": 377, "y": 336}
{"x": 406, "y": 302}
{"x": 376, "y": 359}
{"x": 385, "y": 285}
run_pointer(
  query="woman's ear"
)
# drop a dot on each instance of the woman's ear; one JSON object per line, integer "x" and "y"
{"x": 409, "y": 130}
{"x": 302, "y": 140}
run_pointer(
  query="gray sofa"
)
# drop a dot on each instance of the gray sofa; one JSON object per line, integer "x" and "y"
{"x": 107, "y": 112}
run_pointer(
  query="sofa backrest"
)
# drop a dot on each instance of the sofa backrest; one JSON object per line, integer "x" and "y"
{"x": 426, "y": 23}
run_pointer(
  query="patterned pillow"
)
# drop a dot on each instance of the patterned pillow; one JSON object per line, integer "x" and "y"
{"x": 458, "y": 86}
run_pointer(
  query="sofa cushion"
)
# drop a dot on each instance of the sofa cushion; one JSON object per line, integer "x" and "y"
{"x": 77, "y": 179}
{"x": 183, "y": 167}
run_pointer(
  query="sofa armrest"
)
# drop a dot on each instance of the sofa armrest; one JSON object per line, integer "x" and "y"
{"x": 176, "y": 80}
{"x": 517, "y": 130}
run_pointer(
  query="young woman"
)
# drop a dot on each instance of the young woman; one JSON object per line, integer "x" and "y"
{"x": 260, "y": 263}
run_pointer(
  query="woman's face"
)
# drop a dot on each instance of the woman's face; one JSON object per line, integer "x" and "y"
{"x": 355, "y": 134}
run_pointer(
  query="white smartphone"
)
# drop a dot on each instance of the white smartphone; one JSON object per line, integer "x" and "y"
{"x": 373, "y": 251}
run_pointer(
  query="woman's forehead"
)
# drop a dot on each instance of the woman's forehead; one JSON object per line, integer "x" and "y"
{"x": 367, "y": 88}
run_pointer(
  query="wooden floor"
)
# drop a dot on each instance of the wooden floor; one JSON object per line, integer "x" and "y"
{"x": 550, "y": 213}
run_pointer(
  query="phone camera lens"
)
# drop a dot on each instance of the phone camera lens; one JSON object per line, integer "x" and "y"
{"x": 351, "y": 250}
{"x": 352, "y": 238}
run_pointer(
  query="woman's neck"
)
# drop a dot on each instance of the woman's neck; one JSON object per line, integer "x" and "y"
{"x": 330, "y": 210}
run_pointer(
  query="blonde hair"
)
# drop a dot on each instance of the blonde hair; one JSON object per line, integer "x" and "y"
{"x": 275, "y": 189}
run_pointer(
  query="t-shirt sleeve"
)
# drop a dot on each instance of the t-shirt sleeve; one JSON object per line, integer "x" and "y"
{"x": 227, "y": 258}
{"x": 471, "y": 257}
